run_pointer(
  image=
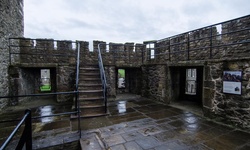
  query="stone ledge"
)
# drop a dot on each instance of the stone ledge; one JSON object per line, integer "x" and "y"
{"x": 37, "y": 65}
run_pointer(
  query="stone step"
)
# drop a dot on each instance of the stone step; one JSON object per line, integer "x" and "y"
{"x": 83, "y": 82}
{"x": 97, "y": 86}
{"x": 91, "y": 98}
{"x": 90, "y": 88}
{"x": 89, "y": 70}
{"x": 90, "y": 93}
{"x": 91, "y": 103}
{"x": 93, "y": 111}
{"x": 89, "y": 85}
{"x": 90, "y": 79}
{"x": 91, "y": 106}
{"x": 89, "y": 75}
{"x": 90, "y": 115}
{"x": 81, "y": 88}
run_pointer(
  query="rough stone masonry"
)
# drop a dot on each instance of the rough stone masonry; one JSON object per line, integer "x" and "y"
{"x": 217, "y": 48}
{"x": 11, "y": 25}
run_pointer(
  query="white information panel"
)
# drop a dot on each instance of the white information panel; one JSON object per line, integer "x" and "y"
{"x": 45, "y": 73}
{"x": 232, "y": 82}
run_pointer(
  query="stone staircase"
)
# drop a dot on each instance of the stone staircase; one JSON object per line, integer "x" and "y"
{"x": 91, "y": 98}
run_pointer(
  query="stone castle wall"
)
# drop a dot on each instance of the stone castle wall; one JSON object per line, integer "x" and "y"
{"x": 35, "y": 54}
{"x": 222, "y": 41}
{"x": 11, "y": 25}
{"x": 231, "y": 109}
{"x": 216, "y": 48}
{"x": 113, "y": 54}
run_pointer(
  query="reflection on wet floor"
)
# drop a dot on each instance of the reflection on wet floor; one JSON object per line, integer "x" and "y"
{"x": 45, "y": 111}
{"x": 189, "y": 106}
{"x": 121, "y": 106}
{"x": 136, "y": 123}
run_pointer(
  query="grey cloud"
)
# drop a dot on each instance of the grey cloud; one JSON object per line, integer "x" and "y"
{"x": 127, "y": 20}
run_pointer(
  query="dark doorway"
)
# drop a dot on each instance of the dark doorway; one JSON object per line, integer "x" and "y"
{"x": 187, "y": 84}
{"x": 191, "y": 89}
{"x": 121, "y": 78}
{"x": 128, "y": 80}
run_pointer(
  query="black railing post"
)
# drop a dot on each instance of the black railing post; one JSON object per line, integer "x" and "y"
{"x": 77, "y": 107}
{"x": 142, "y": 54}
{"x": 9, "y": 52}
{"x": 77, "y": 76}
{"x": 28, "y": 128}
{"x": 188, "y": 47}
{"x": 211, "y": 41}
{"x": 103, "y": 76}
{"x": 169, "y": 52}
{"x": 26, "y": 137}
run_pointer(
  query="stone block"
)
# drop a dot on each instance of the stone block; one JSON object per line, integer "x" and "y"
{"x": 208, "y": 97}
{"x": 209, "y": 84}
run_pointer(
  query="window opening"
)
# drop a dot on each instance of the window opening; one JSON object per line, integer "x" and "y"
{"x": 133, "y": 48}
{"x": 151, "y": 49}
{"x": 73, "y": 46}
{"x": 34, "y": 43}
{"x": 45, "y": 80}
{"x": 191, "y": 77}
{"x": 121, "y": 78}
{"x": 55, "y": 45}
{"x": 107, "y": 48}
{"x": 91, "y": 49}
{"x": 219, "y": 30}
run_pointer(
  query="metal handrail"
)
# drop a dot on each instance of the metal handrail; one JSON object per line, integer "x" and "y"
{"x": 203, "y": 28}
{"x": 39, "y": 117}
{"x": 26, "y": 135}
{"x": 44, "y": 94}
{"x": 77, "y": 107}
{"x": 103, "y": 76}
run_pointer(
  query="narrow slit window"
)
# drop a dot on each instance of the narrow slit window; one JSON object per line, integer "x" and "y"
{"x": 121, "y": 78}
{"x": 151, "y": 49}
{"x": 190, "y": 82}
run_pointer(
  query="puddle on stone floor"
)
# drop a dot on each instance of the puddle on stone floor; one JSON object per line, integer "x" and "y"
{"x": 122, "y": 106}
{"x": 45, "y": 111}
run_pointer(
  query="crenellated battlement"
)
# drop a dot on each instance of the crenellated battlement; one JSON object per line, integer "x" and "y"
{"x": 222, "y": 41}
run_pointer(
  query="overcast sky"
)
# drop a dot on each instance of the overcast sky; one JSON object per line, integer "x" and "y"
{"x": 124, "y": 20}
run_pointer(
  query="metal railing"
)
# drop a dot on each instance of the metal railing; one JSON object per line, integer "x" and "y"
{"x": 224, "y": 40}
{"x": 127, "y": 54}
{"x": 103, "y": 77}
{"x": 77, "y": 107}
{"x": 212, "y": 39}
{"x": 26, "y": 50}
{"x": 26, "y": 137}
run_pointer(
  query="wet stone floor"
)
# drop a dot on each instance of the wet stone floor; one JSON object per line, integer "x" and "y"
{"x": 132, "y": 124}
{"x": 141, "y": 124}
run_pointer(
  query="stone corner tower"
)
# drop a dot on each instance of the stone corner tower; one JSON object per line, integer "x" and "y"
{"x": 11, "y": 25}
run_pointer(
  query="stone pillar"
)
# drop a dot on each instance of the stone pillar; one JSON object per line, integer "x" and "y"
{"x": 64, "y": 45}
{"x": 26, "y": 46}
{"x": 14, "y": 84}
{"x": 84, "y": 52}
{"x": 65, "y": 82}
{"x": 111, "y": 80}
{"x": 138, "y": 56}
{"x": 11, "y": 25}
